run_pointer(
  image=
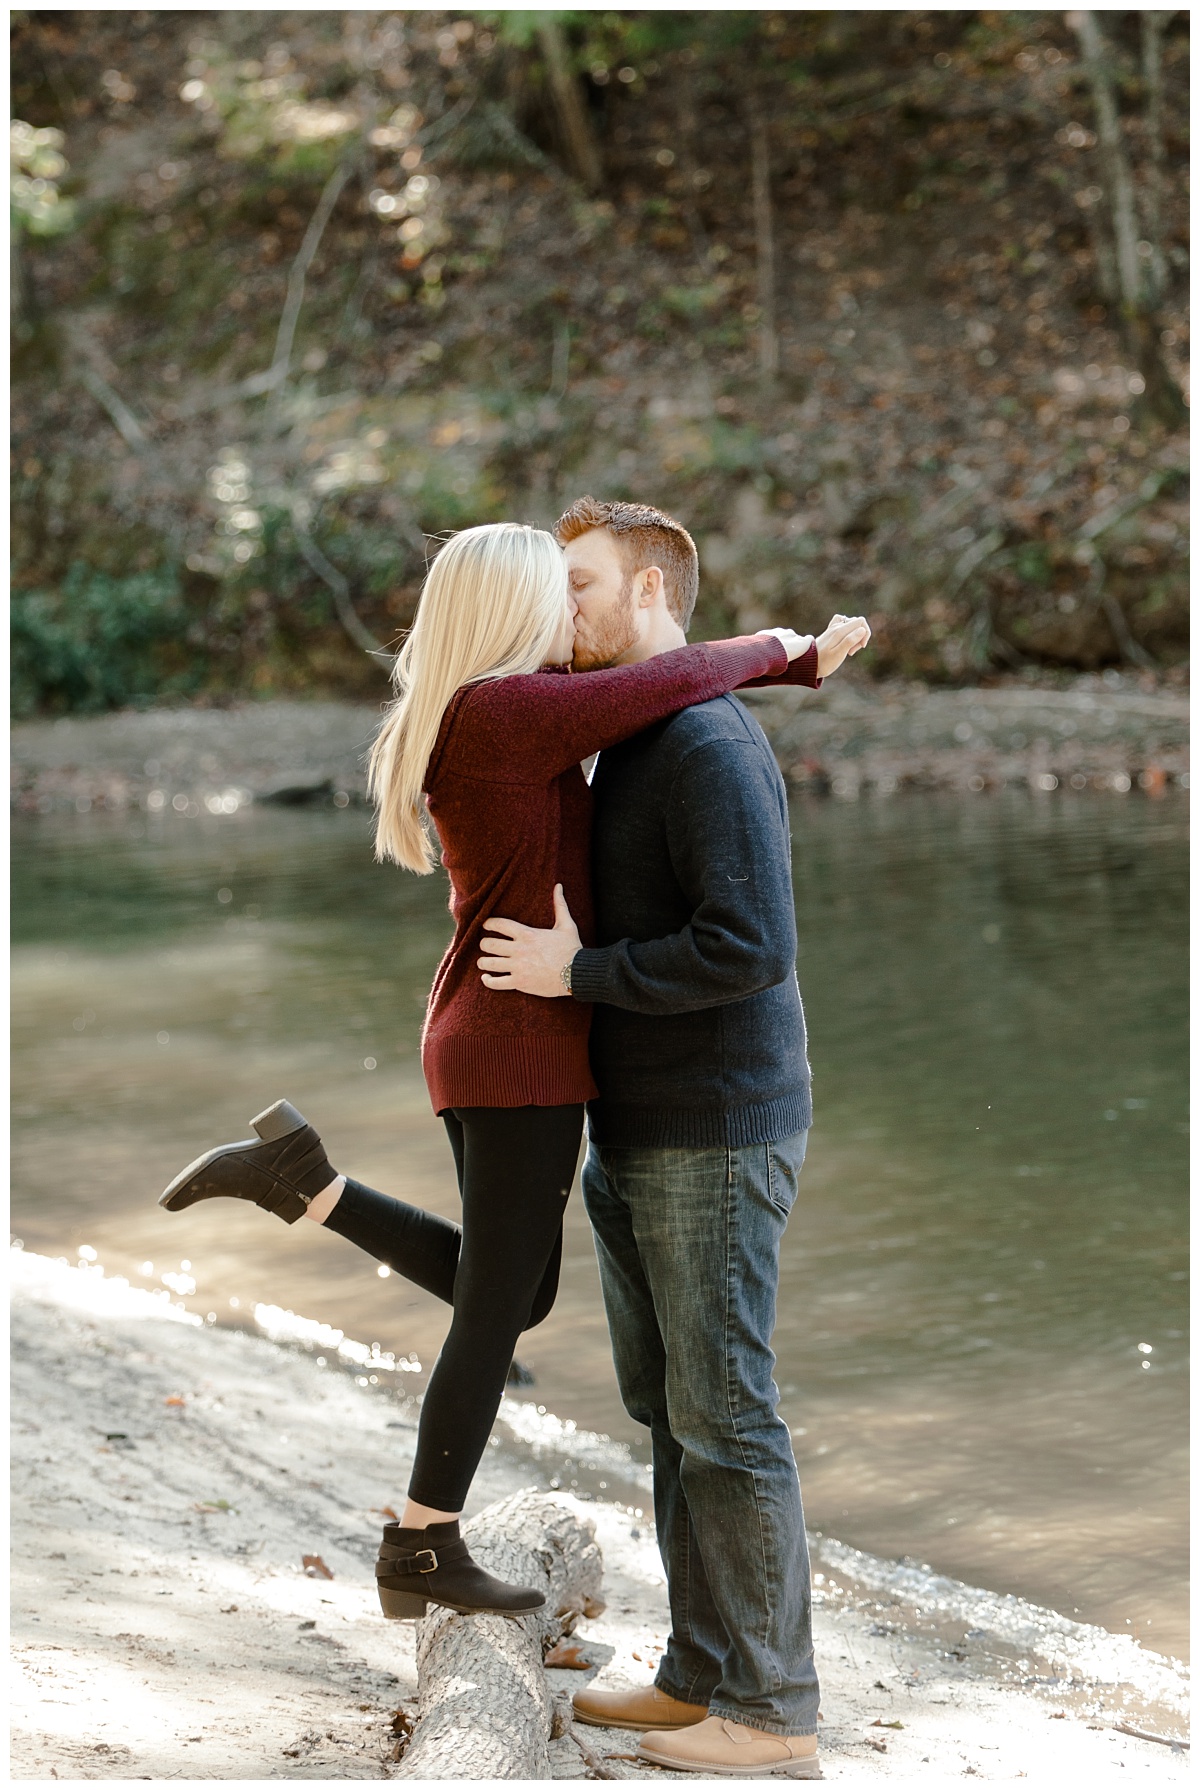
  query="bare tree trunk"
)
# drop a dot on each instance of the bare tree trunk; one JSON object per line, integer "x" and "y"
{"x": 486, "y": 1708}
{"x": 1102, "y": 254}
{"x": 1116, "y": 163}
{"x": 20, "y": 307}
{"x": 687, "y": 167}
{"x": 568, "y": 103}
{"x": 1153, "y": 26}
{"x": 1163, "y": 399}
{"x": 764, "y": 241}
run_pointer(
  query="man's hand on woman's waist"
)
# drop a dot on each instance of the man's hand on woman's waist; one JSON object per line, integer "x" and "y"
{"x": 531, "y": 959}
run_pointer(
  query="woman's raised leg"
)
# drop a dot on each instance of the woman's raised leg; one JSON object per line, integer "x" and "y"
{"x": 418, "y": 1244}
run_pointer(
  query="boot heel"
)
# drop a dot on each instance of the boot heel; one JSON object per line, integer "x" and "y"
{"x": 278, "y": 1121}
{"x": 402, "y": 1606}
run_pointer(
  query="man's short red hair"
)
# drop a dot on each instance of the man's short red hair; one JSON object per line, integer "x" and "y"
{"x": 644, "y": 537}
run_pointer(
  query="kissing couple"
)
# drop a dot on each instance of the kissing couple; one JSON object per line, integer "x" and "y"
{"x": 623, "y": 949}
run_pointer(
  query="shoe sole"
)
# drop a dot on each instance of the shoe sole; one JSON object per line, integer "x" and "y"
{"x": 655, "y": 1727}
{"x": 271, "y": 1125}
{"x": 410, "y": 1606}
{"x": 784, "y": 1768}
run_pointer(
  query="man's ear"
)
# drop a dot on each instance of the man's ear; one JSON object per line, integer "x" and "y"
{"x": 651, "y": 579}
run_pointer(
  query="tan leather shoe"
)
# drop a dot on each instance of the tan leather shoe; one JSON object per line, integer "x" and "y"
{"x": 721, "y": 1748}
{"x": 645, "y": 1708}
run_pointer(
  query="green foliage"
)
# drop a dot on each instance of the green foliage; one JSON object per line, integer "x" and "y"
{"x": 1033, "y": 563}
{"x": 695, "y": 302}
{"x": 266, "y": 112}
{"x": 98, "y": 642}
{"x": 479, "y": 337}
{"x": 37, "y": 166}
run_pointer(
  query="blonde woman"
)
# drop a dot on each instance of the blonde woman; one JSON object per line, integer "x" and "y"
{"x": 486, "y": 734}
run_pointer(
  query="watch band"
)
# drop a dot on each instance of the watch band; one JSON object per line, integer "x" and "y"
{"x": 564, "y": 975}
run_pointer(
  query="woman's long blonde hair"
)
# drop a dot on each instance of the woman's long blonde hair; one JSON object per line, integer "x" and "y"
{"x": 492, "y": 605}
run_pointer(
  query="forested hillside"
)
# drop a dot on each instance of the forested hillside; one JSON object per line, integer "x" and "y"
{"x": 888, "y": 307}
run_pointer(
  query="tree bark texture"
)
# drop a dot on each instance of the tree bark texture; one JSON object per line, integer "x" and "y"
{"x": 568, "y": 103}
{"x": 485, "y": 1707}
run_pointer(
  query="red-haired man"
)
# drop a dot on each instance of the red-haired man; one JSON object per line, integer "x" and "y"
{"x": 696, "y": 1144}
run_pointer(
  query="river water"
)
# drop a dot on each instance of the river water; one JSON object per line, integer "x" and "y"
{"x": 981, "y": 1337}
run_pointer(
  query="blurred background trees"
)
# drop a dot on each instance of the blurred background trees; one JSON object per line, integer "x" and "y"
{"x": 889, "y": 308}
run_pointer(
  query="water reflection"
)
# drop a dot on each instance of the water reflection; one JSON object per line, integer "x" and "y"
{"x": 981, "y": 1345}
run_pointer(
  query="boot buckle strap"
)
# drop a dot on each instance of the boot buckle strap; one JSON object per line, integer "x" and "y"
{"x": 403, "y": 1568}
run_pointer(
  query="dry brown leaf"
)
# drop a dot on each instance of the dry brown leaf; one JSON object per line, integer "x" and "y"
{"x": 568, "y": 1655}
{"x": 176, "y": 1398}
{"x": 315, "y": 1567}
{"x": 384, "y": 1510}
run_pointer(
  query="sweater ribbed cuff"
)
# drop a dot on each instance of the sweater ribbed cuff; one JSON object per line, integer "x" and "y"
{"x": 589, "y": 973}
{"x": 804, "y": 669}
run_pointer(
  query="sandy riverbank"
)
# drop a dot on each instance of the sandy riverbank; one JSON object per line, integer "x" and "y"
{"x": 169, "y": 1478}
{"x": 1100, "y": 732}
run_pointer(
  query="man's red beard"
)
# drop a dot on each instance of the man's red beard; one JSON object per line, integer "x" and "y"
{"x": 599, "y": 647}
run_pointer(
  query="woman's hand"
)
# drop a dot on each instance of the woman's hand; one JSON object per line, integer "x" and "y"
{"x": 531, "y": 959}
{"x": 794, "y": 644}
{"x": 845, "y": 635}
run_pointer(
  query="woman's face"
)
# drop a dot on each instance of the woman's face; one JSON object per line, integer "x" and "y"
{"x": 564, "y": 641}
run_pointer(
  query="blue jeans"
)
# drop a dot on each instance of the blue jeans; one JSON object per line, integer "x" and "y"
{"x": 688, "y": 1243}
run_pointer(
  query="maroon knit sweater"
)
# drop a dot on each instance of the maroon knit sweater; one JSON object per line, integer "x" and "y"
{"x": 513, "y": 813}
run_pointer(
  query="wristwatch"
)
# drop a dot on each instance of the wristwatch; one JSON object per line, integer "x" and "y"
{"x": 564, "y": 975}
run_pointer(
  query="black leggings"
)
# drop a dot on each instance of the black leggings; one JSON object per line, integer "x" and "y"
{"x": 499, "y": 1271}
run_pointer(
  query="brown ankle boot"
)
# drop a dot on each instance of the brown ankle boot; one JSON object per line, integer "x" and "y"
{"x": 419, "y": 1567}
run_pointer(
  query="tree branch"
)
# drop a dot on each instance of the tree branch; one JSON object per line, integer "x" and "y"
{"x": 86, "y": 354}
{"x": 281, "y": 360}
{"x": 339, "y": 587}
{"x": 257, "y": 385}
{"x": 592, "y": 1760}
{"x": 119, "y": 412}
{"x": 1102, "y": 598}
{"x": 1113, "y": 513}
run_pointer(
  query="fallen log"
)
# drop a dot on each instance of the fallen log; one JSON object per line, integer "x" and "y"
{"x": 486, "y": 1710}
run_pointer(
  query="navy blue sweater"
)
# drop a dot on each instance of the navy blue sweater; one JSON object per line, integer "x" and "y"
{"x": 698, "y": 1032}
